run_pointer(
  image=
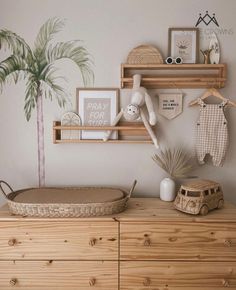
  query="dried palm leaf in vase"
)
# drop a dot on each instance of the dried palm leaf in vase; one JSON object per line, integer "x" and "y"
{"x": 177, "y": 163}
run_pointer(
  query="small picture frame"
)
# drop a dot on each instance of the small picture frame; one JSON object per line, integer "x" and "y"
{"x": 97, "y": 107}
{"x": 184, "y": 43}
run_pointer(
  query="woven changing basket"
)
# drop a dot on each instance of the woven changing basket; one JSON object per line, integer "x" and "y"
{"x": 144, "y": 54}
{"x": 66, "y": 202}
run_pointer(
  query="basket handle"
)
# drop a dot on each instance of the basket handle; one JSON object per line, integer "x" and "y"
{"x": 2, "y": 190}
{"x": 132, "y": 189}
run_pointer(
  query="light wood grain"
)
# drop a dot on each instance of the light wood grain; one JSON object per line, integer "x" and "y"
{"x": 185, "y": 79}
{"x": 141, "y": 210}
{"x": 177, "y": 241}
{"x": 177, "y": 275}
{"x": 189, "y": 75}
{"x": 182, "y": 252}
{"x": 153, "y": 209}
{"x": 184, "y": 66}
{"x": 100, "y": 128}
{"x": 129, "y": 129}
{"x": 59, "y": 240}
{"x": 118, "y": 141}
{"x": 60, "y": 275}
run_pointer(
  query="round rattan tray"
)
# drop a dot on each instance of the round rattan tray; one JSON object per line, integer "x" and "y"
{"x": 144, "y": 54}
{"x": 67, "y": 201}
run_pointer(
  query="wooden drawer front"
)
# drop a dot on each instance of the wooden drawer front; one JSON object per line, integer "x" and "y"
{"x": 155, "y": 275}
{"x": 58, "y": 275}
{"x": 191, "y": 241}
{"x": 59, "y": 240}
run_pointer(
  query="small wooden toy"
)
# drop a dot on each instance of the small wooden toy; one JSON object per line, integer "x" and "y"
{"x": 206, "y": 53}
{"x": 199, "y": 197}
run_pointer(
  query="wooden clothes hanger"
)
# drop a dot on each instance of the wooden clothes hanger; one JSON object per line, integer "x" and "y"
{"x": 215, "y": 93}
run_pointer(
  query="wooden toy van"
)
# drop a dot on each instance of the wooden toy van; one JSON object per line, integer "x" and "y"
{"x": 199, "y": 197}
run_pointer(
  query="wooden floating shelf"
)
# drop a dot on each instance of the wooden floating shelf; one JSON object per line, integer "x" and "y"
{"x": 175, "y": 75}
{"x": 127, "y": 133}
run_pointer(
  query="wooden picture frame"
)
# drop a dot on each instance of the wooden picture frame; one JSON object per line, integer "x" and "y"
{"x": 184, "y": 42}
{"x": 97, "y": 107}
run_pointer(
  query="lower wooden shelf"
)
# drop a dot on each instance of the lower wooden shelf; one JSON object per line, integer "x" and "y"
{"x": 127, "y": 133}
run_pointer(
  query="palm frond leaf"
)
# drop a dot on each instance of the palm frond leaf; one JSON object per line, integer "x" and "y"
{"x": 50, "y": 87}
{"x": 45, "y": 35}
{"x": 15, "y": 43}
{"x": 176, "y": 162}
{"x": 38, "y": 65}
{"x": 12, "y": 69}
{"x": 77, "y": 53}
{"x": 31, "y": 94}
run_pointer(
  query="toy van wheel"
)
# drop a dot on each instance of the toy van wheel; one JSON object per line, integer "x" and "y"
{"x": 220, "y": 203}
{"x": 204, "y": 210}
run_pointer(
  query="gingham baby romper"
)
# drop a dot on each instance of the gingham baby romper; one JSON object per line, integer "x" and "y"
{"x": 212, "y": 133}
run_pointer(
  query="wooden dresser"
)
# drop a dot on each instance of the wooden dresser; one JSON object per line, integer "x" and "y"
{"x": 150, "y": 246}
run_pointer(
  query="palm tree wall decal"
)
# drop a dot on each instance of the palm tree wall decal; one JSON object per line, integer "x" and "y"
{"x": 37, "y": 67}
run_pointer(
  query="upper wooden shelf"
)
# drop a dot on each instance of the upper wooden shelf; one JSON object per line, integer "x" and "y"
{"x": 175, "y": 75}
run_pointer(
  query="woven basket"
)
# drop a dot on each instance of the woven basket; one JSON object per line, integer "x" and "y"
{"x": 64, "y": 210}
{"x": 144, "y": 54}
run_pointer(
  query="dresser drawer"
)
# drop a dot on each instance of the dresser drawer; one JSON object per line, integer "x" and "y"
{"x": 74, "y": 240}
{"x": 155, "y": 275}
{"x": 58, "y": 275}
{"x": 190, "y": 241}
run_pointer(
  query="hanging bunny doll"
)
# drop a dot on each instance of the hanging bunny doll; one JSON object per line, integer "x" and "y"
{"x": 134, "y": 111}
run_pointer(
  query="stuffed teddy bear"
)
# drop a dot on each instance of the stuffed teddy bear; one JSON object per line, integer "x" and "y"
{"x": 134, "y": 111}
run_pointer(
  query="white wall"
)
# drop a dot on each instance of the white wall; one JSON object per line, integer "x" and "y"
{"x": 110, "y": 29}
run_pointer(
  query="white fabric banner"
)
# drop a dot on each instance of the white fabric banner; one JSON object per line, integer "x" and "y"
{"x": 170, "y": 105}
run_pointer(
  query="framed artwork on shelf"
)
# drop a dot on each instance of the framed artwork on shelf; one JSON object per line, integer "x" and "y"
{"x": 184, "y": 43}
{"x": 97, "y": 107}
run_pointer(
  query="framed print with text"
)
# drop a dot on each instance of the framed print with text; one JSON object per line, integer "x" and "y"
{"x": 97, "y": 107}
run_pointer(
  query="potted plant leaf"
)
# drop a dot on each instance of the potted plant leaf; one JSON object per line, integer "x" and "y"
{"x": 177, "y": 163}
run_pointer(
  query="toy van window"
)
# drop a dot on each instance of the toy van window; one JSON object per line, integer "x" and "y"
{"x": 218, "y": 189}
{"x": 193, "y": 193}
{"x": 206, "y": 192}
{"x": 212, "y": 190}
{"x": 183, "y": 191}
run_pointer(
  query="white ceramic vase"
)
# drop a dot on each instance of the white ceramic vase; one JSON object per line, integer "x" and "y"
{"x": 167, "y": 189}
